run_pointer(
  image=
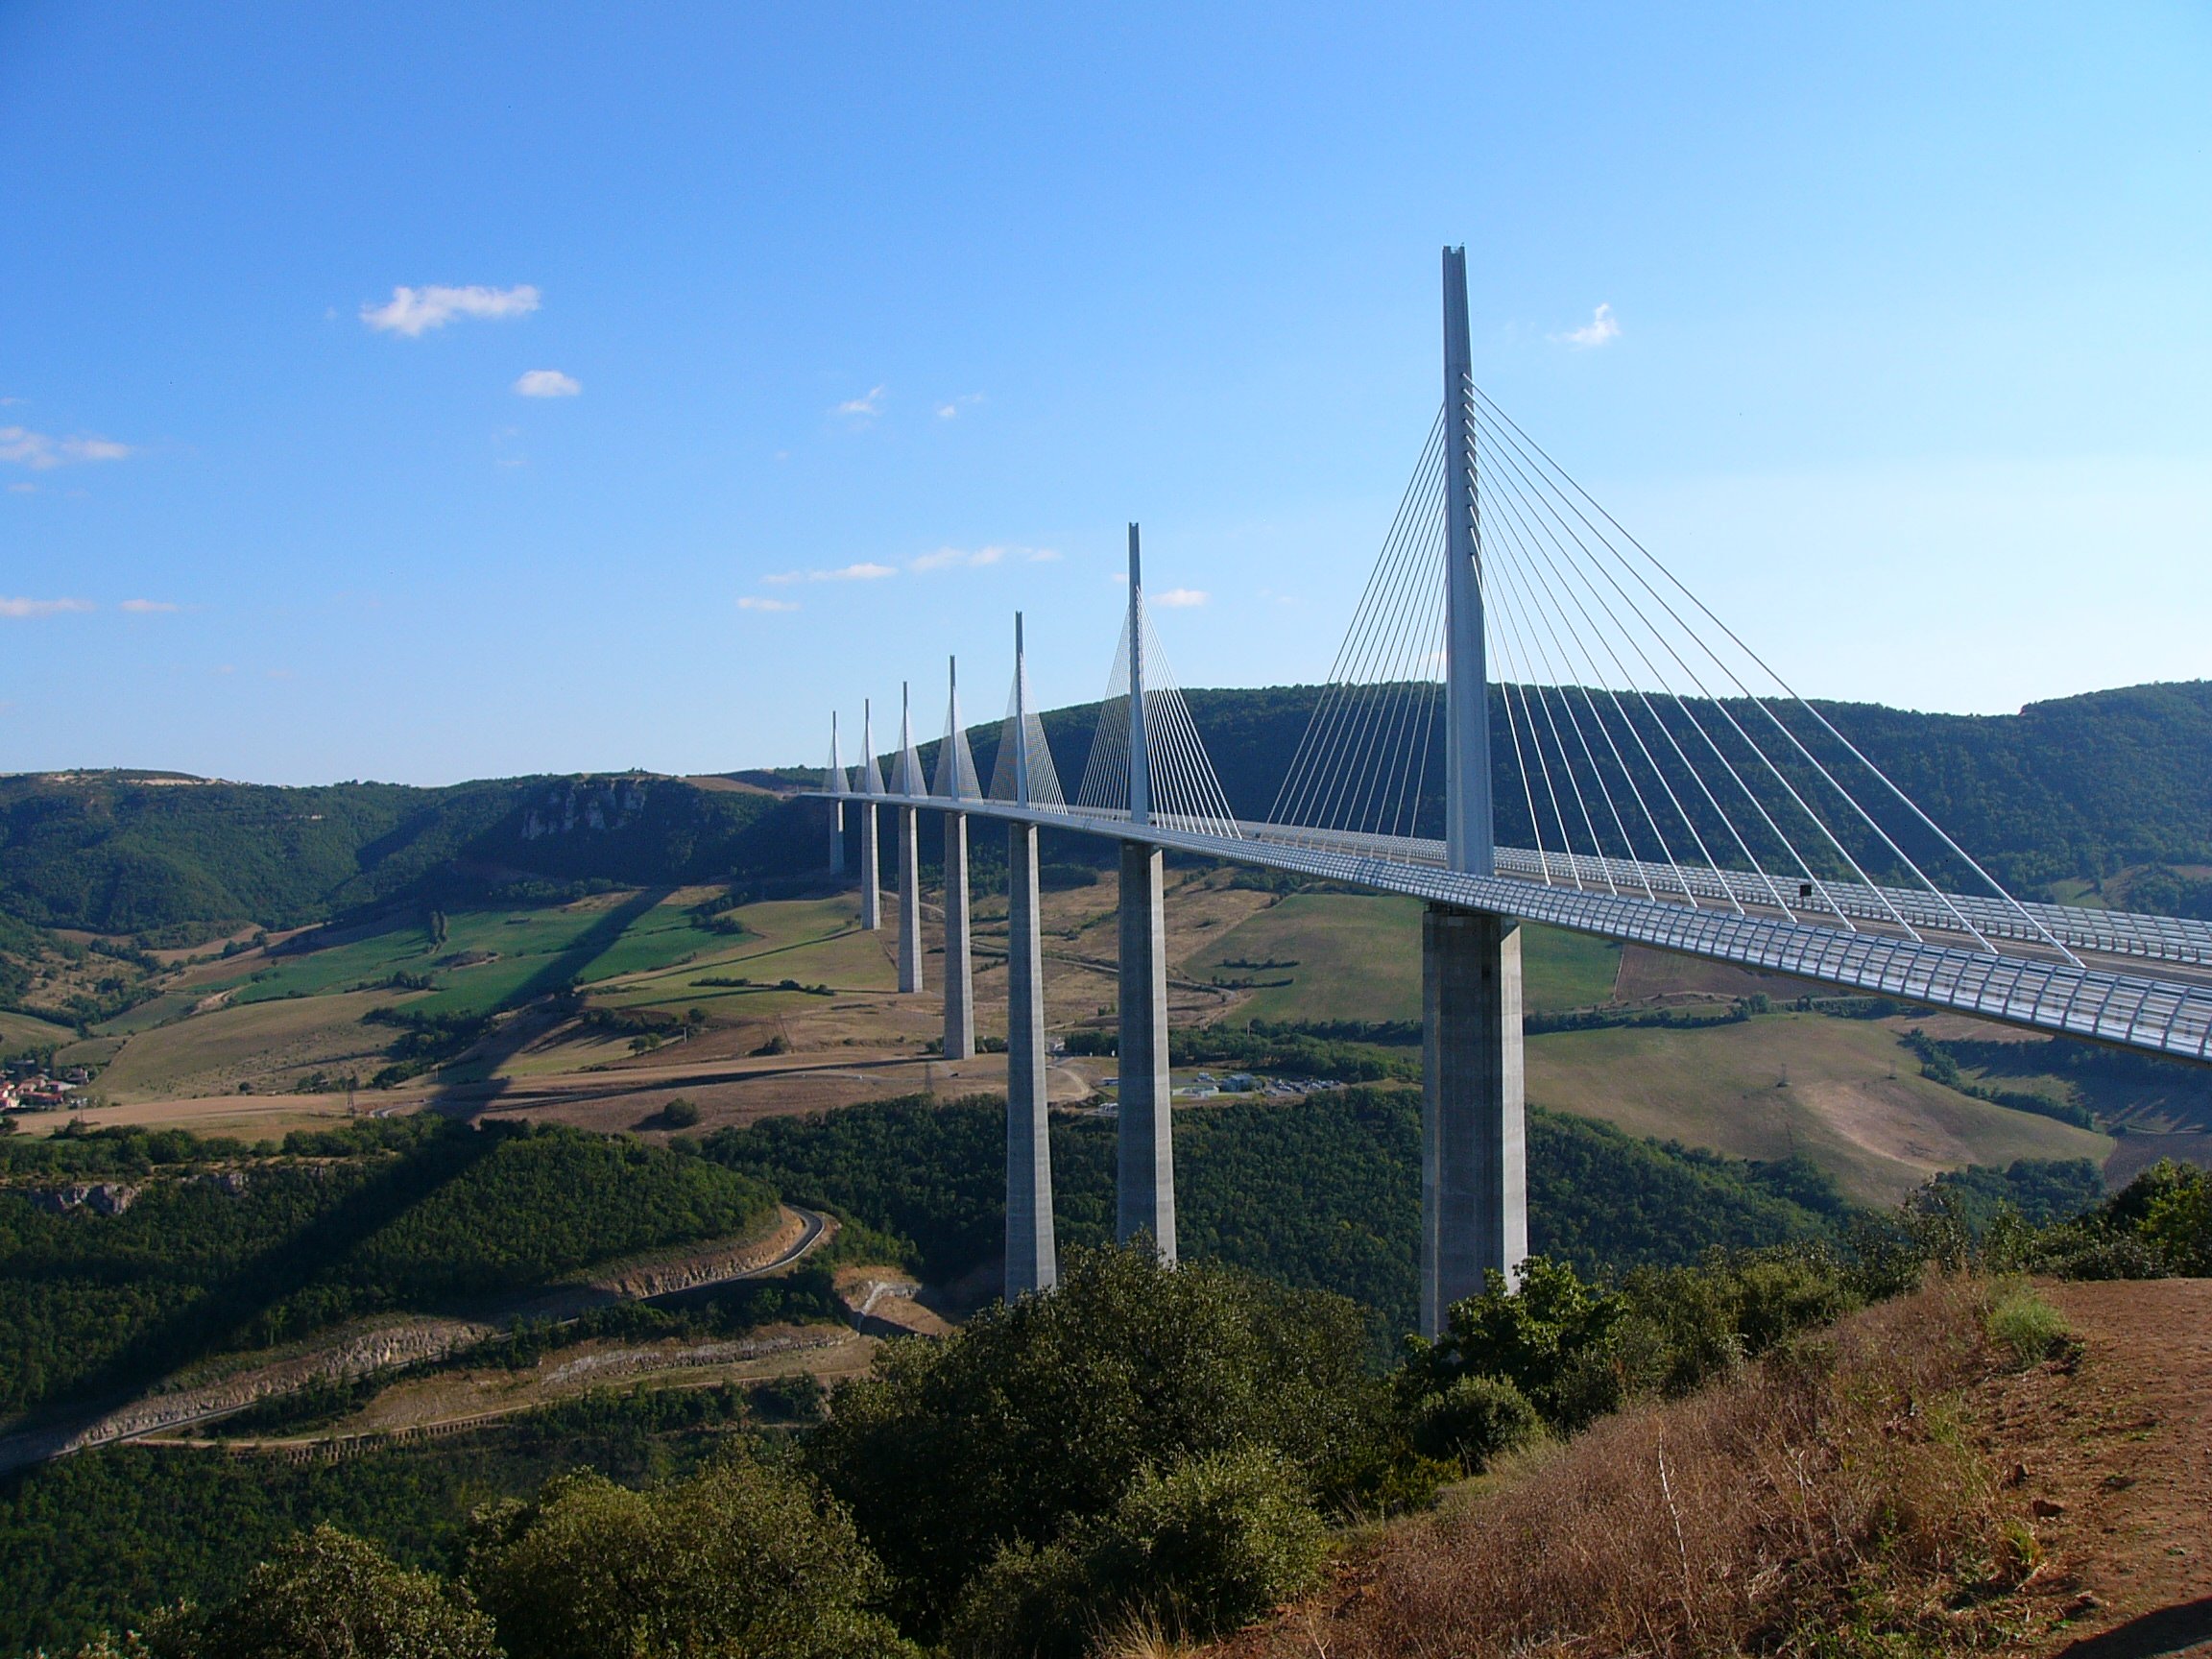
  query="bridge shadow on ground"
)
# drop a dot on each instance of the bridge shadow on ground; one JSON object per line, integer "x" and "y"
{"x": 562, "y": 972}
{"x": 2177, "y": 1629}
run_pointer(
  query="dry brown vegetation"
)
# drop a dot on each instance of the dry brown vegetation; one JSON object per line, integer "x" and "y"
{"x": 1828, "y": 1501}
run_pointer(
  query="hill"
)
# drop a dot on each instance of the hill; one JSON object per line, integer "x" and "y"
{"x": 2079, "y": 789}
{"x": 174, "y": 860}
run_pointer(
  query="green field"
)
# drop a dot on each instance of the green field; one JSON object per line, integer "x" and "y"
{"x": 21, "y": 1031}
{"x": 1358, "y": 957}
{"x": 1845, "y": 1094}
{"x": 814, "y": 941}
{"x": 302, "y": 1008}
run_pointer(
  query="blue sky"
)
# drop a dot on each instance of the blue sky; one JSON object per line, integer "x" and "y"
{"x": 1908, "y": 332}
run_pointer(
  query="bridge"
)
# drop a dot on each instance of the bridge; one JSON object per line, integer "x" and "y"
{"x": 1517, "y": 666}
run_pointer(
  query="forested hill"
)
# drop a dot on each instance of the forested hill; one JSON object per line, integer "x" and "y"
{"x": 174, "y": 859}
{"x": 2075, "y": 789}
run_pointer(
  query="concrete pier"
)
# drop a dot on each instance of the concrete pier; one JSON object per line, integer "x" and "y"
{"x": 1473, "y": 1143}
{"x": 909, "y": 900}
{"x": 1147, "y": 1145}
{"x": 836, "y": 837}
{"x": 960, "y": 962}
{"x": 1032, "y": 1260}
{"x": 871, "y": 870}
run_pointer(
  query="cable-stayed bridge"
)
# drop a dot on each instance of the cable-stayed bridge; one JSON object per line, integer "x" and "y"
{"x": 1530, "y": 718}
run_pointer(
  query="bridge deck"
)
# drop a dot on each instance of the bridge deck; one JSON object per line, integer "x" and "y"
{"x": 1737, "y": 917}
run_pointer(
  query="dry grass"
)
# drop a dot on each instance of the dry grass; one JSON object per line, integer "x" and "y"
{"x": 1824, "y": 1502}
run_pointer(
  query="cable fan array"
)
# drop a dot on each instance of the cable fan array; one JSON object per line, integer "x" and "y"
{"x": 1638, "y": 745}
{"x": 1024, "y": 770}
{"x": 1185, "y": 792}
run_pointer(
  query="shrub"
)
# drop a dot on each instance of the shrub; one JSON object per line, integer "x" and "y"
{"x": 1473, "y": 1421}
{"x": 741, "y": 1561}
{"x": 327, "y": 1592}
{"x": 679, "y": 1114}
{"x": 1212, "y": 1543}
{"x": 1039, "y": 1417}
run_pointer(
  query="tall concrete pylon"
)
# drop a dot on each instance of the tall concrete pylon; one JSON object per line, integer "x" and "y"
{"x": 959, "y": 957}
{"x": 1474, "y": 1153}
{"x": 871, "y": 852}
{"x": 1145, "y": 1197}
{"x": 1032, "y": 1260}
{"x": 839, "y": 787}
{"x": 910, "y": 857}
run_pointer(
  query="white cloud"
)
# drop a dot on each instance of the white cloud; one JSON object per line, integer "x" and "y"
{"x": 1602, "y": 328}
{"x": 22, "y": 489}
{"x": 1180, "y": 599}
{"x": 146, "y": 606}
{"x": 862, "y": 572}
{"x": 41, "y": 607}
{"x": 547, "y": 383}
{"x": 755, "y": 602}
{"x": 863, "y": 408}
{"x": 950, "y": 558}
{"x": 952, "y": 411}
{"x": 39, "y": 451}
{"x": 415, "y": 311}
{"x": 1041, "y": 555}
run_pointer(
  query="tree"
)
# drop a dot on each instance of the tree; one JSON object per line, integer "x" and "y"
{"x": 739, "y": 1561}
{"x": 327, "y": 1595}
{"x": 1034, "y": 1418}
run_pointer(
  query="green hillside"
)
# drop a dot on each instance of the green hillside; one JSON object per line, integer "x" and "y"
{"x": 177, "y": 860}
{"x": 2074, "y": 791}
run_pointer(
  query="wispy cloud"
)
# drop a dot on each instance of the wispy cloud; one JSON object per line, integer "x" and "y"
{"x": 416, "y": 311}
{"x": 861, "y": 572}
{"x": 41, "y": 607}
{"x": 755, "y": 602}
{"x": 40, "y": 452}
{"x": 1602, "y": 326}
{"x": 950, "y": 558}
{"x": 952, "y": 411}
{"x": 963, "y": 558}
{"x": 865, "y": 408}
{"x": 547, "y": 383}
{"x": 147, "y": 607}
{"x": 1180, "y": 599}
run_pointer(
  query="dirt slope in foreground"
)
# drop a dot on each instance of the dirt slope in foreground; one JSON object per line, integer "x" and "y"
{"x": 1907, "y": 1490}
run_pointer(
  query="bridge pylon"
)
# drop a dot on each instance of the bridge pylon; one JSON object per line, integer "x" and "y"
{"x": 1145, "y": 1150}
{"x": 1474, "y": 1183}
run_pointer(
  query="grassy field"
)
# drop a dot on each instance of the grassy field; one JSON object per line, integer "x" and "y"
{"x": 212, "y": 1053}
{"x": 814, "y": 941}
{"x": 488, "y": 957}
{"x": 1360, "y": 958}
{"x": 1842, "y": 1092}
{"x": 20, "y": 1031}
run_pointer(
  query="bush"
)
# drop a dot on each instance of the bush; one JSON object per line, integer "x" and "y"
{"x": 328, "y": 1593}
{"x": 1212, "y": 1543}
{"x": 679, "y": 1114}
{"x": 1473, "y": 1420}
{"x": 1039, "y": 1417}
{"x": 741, "y": 1561}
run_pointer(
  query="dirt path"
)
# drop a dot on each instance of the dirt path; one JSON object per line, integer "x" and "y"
{"x": 2115, "y": 1455}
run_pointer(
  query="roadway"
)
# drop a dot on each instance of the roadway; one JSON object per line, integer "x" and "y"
{"x": 1862, "y": 939}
